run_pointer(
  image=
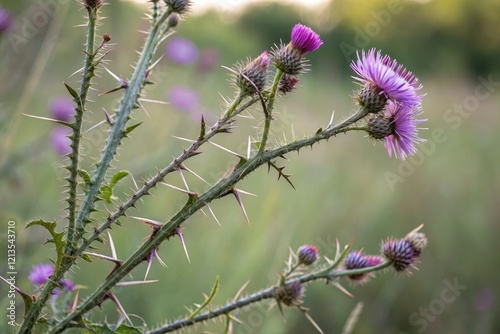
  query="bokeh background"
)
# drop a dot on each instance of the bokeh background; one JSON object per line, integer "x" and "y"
{"x": 347, "y": 188}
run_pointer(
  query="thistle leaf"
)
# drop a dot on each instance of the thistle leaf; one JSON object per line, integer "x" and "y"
{"x": 72, "y": 91}
{"x": 57, "y": 238}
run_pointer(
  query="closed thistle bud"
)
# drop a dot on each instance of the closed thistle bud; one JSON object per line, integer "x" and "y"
{"x": 357, "y": 260}
{"x": 287, "y": 83}
{"x": 179, "y": 6}
{"x": 401, "y": 253}
{"x": 92, "y": 4}
{"x": 371, "y": 98}
{"x": 289, "y": 294}
{"x": 173, "y": 20}
{"x": 380, "y": 127}
{"x": 252, "y": 77}
{"x": 307, "y": 254}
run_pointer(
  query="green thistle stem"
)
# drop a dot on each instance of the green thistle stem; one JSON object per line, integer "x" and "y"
{"x": 269, "y": 112}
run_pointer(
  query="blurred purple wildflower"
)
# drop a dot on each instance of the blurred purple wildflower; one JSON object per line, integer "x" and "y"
{"x": 383, "y": 76}
{"x": 6, "y": 21}
{"x": 404, "y": 129}
{"x": 184, "y": 98}
{"x": 305, "y": 39}
{"x": 62, "y": 108}
{"x": 40, "y": 273}
{"x": 208, "y": 59}
{"x": 307, "y": 254}
{"x": 60, "y": 142}
{"x": 182, "y": 51}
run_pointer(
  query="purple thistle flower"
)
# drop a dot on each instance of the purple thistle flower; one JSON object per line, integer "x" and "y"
{"x": 401, "y": 253}
{"x": 182, "y": 51}
{"x": 40, "y": 273}
{"x": 184, "y": 98}
{"x": 404, "y": 129}
{"x": 6, "y": 21}
{"x": 307, "y": 254}
{"x": 383, "y": 76}
{"x": 62, "y": 108}
{"x": 305, "y": 39}
{"x": 60, "y": 141}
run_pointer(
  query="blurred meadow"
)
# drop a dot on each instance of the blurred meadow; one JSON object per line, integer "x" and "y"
{"x": 346, "y": 189}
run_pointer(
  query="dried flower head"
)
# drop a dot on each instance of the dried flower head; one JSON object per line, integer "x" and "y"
{"x": 401, "y": 253}
{"x": 40, "y": 273}
{"x": 92, "y": 4}
{"x": 417, "y": 239}
{"x": 307, "y": 254}
{"x": 289, "y": 294}
{"x": 379, "y": 75}
{"x": 179, "y": 6}
{"x": 252, "y": 77}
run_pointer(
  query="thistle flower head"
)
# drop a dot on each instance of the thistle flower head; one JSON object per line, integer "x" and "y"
{"x": 40, "y": 273}
{"x": 379, "y": 75}
{"x": 417, "y": 239}
{"x": 307, "y": 254}
{"x": 252, "y": 77}
{"x": 289, "y": 58}
{"x": 358, "y": 260}
{"x": 404, "y": 134}
{"x": 182, "y": 51}
{"x": 6, "y": 21}
{"x": 304, "y": 39}
{"x": 179, "y": 6}
{"x": 289, "y": 294}
{"x": 401, "y": 253}
{"x": 62, "y": 109}
{"x": 60, "y": 141}
{"x": 92, "y": 4}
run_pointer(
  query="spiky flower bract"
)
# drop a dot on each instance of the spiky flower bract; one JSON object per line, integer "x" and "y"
{"x": 401, "y": 253}
{"x": 40, "y": 273}
{"x": 179, "y": 6}
{"x": 289, "y": 294}
{"x": 379, "y": 75}
{"x": 307, "y": 254}
{"x": 92, "y": 4}
{"x": 289, "y": 58}
{"x": 252, "y": 77}
{"x": 404, "y": 134}
{"x": 287, "y": 83}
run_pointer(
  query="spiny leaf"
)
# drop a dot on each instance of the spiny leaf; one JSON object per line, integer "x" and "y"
{"x": 208, "y": 299}
{"x": 57, "y": 238}
{"x": 28, "y": 300}
{"x": 131, "y": 128}
{"x": 85, "y": 176}
{"x": 72, "y": 91}
{"x": 106, "y": 193}
{"x": 86, "y": 257}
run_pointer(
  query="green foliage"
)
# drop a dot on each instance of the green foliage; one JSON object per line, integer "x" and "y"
{"x": 57, "y": 238}
{"x": 106, "y": 191}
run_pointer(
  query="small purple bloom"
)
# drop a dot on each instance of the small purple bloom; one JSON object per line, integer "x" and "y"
{"x": 384, "y": 76}
{"x": 60, "y": 141}
{"x": 62, "y": 108}
{"x": 184, "y": 98}
{"x": 6, "y": 21}
{"x": 305, "y": 39}
{"x": 208, "y": 60}
{"x": 401, "y": 253}
{"x": 182, "y": 51}
{"x": 40, "y": 273}
{"x": 405, "y": 131}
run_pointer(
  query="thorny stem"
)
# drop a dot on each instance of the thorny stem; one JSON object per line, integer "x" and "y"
{"x": 88, "y": 72}
{"x": 269, "y": 112}
{"x": 267, "y": 293}
{"x": 221, "y": 188}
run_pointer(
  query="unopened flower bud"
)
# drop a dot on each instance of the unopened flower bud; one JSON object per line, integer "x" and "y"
{"x": 289, "y": 294}
{"x": 173, "y": 20}
{"x": 357, "y": 260}
{"x": 380, "y": 127}
{"x": 401, "y": 253}
{"x": 179, "y": 6}
{"x": 106, "y": 38}
{"x": 418, "y": 240}
{"x": 287, "y": 83}
{"x": 307, "y": 254}
{"x": 371, "y": 98}
{"x": 252, "y": 77}
{"x": 92, "y": 4}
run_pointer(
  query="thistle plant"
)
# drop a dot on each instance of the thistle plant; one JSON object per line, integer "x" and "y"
{"x": 389, "y": 105}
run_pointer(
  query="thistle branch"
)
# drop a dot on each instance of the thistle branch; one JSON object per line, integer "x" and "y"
{"x": 267, "y": 293}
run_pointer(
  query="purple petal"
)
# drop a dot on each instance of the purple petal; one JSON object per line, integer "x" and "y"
{"x": 41, "y": 273}
{"x": 305, "y": 39}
